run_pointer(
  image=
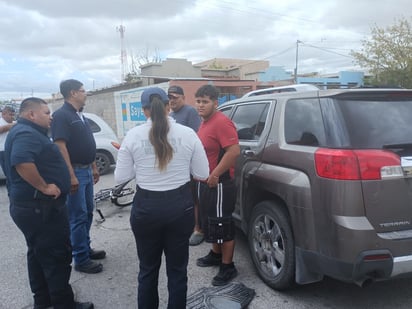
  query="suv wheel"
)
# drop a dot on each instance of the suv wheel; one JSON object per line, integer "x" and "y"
{"x": 102, "y": 162}
{"x": 272, "y": 245}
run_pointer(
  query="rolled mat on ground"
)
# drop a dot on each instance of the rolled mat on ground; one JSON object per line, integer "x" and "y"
{"x": 235, "y": 295}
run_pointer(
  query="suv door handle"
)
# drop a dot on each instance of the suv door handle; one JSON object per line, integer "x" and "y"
{"x": 249, "y": 153}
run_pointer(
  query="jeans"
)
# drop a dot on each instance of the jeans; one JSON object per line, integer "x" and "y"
{"x": 160, "y": 224}
{"x": 80, "y": 206}
{"x": 49, "y": 250}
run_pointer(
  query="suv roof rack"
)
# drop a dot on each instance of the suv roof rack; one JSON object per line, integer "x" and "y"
{"x": 287, "y": 88}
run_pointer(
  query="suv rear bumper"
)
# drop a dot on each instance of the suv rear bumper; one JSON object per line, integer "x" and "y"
{"x": 402, "y": 265}
{"x": 370, "y": 266}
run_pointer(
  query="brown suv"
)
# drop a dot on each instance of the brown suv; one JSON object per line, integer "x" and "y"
{"x": 325, "y": 184}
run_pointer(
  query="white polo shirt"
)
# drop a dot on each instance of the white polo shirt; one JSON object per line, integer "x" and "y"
{"x": 3, "y": 135}
{"x": 136, "y": 158}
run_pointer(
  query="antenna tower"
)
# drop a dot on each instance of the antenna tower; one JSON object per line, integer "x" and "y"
{"x": 123, "y": 56}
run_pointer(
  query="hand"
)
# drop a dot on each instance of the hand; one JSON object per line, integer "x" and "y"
{"x": 96, "y": 175}
{"x": 74, "y": 185}
{"x": 212, "y": 181}
{"x": 52, "y": 189}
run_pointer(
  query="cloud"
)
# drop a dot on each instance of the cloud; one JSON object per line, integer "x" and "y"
{"x": 50, "y": 40}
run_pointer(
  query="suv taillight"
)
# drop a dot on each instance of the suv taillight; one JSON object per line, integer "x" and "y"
{"x": 357, "y": 164}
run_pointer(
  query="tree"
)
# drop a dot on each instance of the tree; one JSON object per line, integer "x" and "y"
{"x": 141, "y": 58}
{"x": 387, "y": 55}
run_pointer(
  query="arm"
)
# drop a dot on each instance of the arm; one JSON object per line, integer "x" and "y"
{"x": 6, "y": 127}
{"x": 228, "y": 160}
{"x": 74, "y": 182}
{"x": 199, "y": 165}
{"x": 29, "y": 172}
{"x": 125, "y": 164}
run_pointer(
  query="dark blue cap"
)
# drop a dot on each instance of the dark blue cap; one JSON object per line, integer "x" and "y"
{"x": 148, "y": 94}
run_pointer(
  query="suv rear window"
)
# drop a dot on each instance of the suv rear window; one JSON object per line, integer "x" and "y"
{"x": 376, "y": 123}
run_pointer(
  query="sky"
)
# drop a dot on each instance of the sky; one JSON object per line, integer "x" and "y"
{"x": 44, "y": 42}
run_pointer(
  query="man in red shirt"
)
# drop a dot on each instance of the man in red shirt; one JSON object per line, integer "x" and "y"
{"x": 217, "y": 194}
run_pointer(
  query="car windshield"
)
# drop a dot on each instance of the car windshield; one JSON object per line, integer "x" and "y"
{"x": 378, "y": 123}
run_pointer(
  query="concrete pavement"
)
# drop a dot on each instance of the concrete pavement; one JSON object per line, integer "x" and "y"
{"x": 116, "y": 286}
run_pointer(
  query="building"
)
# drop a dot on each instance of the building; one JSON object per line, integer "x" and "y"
{"x": 120, "y": 105}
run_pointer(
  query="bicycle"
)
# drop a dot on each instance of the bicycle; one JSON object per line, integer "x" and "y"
{"x": 120, "y": 195}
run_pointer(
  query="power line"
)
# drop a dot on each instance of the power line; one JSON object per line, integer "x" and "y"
{"x": 326, "y": 50}
{"x": 280, "y": 53}
{"x": 234, "y": 6}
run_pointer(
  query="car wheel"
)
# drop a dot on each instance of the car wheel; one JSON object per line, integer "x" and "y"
{"x": 272, "y": 246}
{"x": 102, "y": 162}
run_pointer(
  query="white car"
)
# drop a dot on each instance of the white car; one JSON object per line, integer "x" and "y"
{"x": 107, "y": 144}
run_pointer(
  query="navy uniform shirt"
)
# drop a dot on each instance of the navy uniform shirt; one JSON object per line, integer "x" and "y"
{"x": 27, "y": 142}
{"x": 68, "y": 126}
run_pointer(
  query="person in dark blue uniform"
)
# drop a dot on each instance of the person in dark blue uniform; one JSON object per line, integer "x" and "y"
{"x": 72, "y": 134}
{"x": 38, "y": 183}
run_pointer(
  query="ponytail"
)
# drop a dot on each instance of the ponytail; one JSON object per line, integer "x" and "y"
{"x": 158, "y": 133}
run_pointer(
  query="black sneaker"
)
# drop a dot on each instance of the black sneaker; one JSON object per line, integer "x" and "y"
{"x": 78, "y": 305}
{"x": 226, "y": 273}
{"x": 97, "y": 254}
{"x": 211, "y": 259}
{"x": 89, "y": 267}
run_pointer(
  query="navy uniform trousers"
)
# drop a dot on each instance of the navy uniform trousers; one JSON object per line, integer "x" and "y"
{"x": 45, "y": 227}
{"x": 162, "y": 222}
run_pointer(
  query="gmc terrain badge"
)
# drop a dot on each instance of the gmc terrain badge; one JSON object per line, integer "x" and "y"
{"x": 391, "y": 224}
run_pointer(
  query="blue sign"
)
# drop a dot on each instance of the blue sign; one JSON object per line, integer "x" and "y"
{"x": 136, "y": 112}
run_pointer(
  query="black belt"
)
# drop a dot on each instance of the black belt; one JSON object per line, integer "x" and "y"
{"x": 75, "y": 165}
{"x": 163, "y": 194}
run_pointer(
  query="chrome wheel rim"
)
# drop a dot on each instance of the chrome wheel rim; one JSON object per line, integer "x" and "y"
{"x": 268, "y": 245}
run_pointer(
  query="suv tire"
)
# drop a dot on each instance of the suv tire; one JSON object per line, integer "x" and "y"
{"x": 271, "y": 245}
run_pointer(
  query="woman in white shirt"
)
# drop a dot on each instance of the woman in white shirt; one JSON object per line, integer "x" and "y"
{"x": 161, "y": 155}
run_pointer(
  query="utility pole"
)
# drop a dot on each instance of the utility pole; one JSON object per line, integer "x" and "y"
{"x": 123, "y": 56}
{"x": 296, "y": 61}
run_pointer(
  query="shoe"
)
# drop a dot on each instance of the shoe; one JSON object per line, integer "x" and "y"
{"x": 97, "y": 254}
{"x": 87, "y": 305}
{"x": 226, "y": 273}
{"x": 89, "y": 267}
{"x": 196, "y": 238}
{"x": 211, "y": 259}
{"x": 43, "y": 306}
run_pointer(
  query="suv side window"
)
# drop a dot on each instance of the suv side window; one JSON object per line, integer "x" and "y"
{"x": 303, "y": 123}
{"x": 250, "y": 120}
{"x": 226, "y": 111}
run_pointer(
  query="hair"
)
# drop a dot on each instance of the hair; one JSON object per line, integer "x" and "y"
{"x": 29, "y": 104}
{"x": 207, "y": 90}
{"x": 8, "y": 109}
{"x": 158, "y": 132}
{"x": 68, "y": 85}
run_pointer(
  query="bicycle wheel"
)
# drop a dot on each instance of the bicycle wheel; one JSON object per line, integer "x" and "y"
{"x": 123, "y": 194}
{"x": 102, "y": 195}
